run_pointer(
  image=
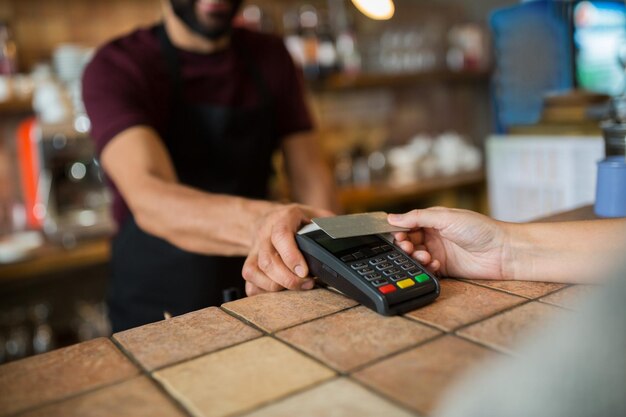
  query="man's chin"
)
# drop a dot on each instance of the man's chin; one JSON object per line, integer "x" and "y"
{"x": 212, "y": 33}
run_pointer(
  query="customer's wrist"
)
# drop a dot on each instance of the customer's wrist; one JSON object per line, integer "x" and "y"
{"x": 514, "y": 244}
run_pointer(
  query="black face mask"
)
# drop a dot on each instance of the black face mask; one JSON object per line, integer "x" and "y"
{"x": 220, "y": 25}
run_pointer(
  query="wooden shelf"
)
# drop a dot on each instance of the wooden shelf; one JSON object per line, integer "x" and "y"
{"x": 16, "y": 106}
{"x": 50, "y": 259}
{"x": 377, "y": 195}
{"x": 339, "y": 82}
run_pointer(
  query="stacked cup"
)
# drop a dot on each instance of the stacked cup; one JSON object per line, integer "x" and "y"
{"x": 611, "y": 185}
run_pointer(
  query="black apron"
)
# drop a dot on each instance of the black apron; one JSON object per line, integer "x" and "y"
{"x": 217, "y": 149}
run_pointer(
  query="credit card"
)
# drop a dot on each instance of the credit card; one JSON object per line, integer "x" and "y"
{"x": 356, "y": 225}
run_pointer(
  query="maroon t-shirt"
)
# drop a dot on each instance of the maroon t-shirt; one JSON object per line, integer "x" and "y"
{"x": 127, "y": 83}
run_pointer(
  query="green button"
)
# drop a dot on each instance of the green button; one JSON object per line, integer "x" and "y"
{"x": 422, "y": 278}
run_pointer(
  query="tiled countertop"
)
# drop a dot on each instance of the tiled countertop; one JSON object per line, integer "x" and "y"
{"x": 314, "y": 353}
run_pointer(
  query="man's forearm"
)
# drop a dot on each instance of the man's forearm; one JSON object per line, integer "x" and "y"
{"x": 316, "y": 192}
{"x": 197, "y": 221}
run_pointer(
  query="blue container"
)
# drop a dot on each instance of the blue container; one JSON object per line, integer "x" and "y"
{"x": 611, "y": 187}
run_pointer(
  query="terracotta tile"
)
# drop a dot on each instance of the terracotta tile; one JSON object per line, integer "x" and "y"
{"x": 338, "y": 398}
{"x": 51, "y": 376}
{"x": 241, "y": 378}
{"x": 569, "y": 297}
{"x": 418, "y": 377}
{"x": 461, "y": 303}
{"x": 505, "y": 330}
{"x": 526, "y": 289}
{"x": 136, "y": 397}
{"x": 279, "y": 310}
{"x": 355, "y": 337}
{"x": 165, "y": 342}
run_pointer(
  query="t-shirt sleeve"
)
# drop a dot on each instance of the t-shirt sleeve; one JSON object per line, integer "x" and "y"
{"x": 292, "y": 112}
{"x": 112, "y": 93}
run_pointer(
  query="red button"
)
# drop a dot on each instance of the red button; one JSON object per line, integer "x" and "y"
{"x": 387, "y": 288}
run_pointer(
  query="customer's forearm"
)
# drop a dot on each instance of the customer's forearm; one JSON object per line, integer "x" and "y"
{"x": 569, "y": 252}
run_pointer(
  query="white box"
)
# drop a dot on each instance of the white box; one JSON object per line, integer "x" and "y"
{"x": 534, "y": 176}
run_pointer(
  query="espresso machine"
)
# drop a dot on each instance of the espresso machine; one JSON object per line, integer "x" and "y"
{"x": 62, "y": 183}
{"x": 71, "y": 187}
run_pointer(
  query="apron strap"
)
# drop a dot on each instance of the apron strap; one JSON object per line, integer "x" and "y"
{"x": 171, "y": 59}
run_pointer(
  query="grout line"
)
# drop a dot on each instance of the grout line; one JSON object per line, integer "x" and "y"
{"x": 493, "y": 348}
{"x": 199, "y": 355}
{"x": 72, "y": 396}
{"x": 490, "y": 316}
{"x": 423, "y": 323}
{"x": 308, "y": 355}
{"x": 557, "y": 290}
{"x": 385, "y": 397}
{"x": 480, "y": 284}
{"x": 269, "y": 332}
{"x": 476, "y": 283}
{"x": 395, "y": 353}
{"x": 243, "y": 319}
{"x": 284, "y": 397}
{"x": 128, "y": 355}
{"x": 146, "y": 373}
{"x": 317, "y": 318}
{"x": 169, "y": 396}
{"x": 557, "y": 306}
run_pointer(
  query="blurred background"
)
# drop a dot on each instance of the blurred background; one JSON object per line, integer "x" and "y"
{"x": 498, "y": 106}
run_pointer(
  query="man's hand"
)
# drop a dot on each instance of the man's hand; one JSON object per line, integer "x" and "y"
{"x": 457, "y": 243}
{"x": 274, "y": 261}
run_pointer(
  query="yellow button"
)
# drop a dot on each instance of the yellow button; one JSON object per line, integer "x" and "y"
{"x": 406, "y": 283}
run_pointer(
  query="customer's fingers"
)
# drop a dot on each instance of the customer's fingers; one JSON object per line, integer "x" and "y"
{"x": 436, "y": 218}
{"x": 406, "y": 246}
{"x": 421, "y": 255}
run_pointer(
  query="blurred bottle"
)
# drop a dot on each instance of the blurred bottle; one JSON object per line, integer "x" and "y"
{"x": 310, "y": 41}
{"x": 467, "y": 47}
{"x": 348, "y": 52}
{"x": 328, "y": 60}
{"x": 360, "y": 167}
{"x": 254, "y": 18}
{"x": 91, "y": 320}
{"x": 377, "y": 164}
{"x": 8, "y": 51}
{"x": 293, "y": 40}
{"x": 341, "y": 22}
{"x": 343, "y": 168}
{"x": 19, "y": 336}
{"x": 43, "y": 337}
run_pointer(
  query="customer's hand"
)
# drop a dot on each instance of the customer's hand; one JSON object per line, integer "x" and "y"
{"x": 274, "y": 261}
{"x": 454, "y": 242}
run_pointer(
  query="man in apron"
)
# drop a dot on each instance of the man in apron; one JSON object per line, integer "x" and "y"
{"x": 186, "y": 116}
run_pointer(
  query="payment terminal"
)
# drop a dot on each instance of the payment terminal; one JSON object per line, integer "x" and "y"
{"x": 369, "y": 269}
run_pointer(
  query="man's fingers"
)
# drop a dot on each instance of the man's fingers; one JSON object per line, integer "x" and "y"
{"x": 254, "y": 275}
{"x": 272, "y": 264}
{"x": 252, "y": 289}
{"x": 284, "y": 240}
